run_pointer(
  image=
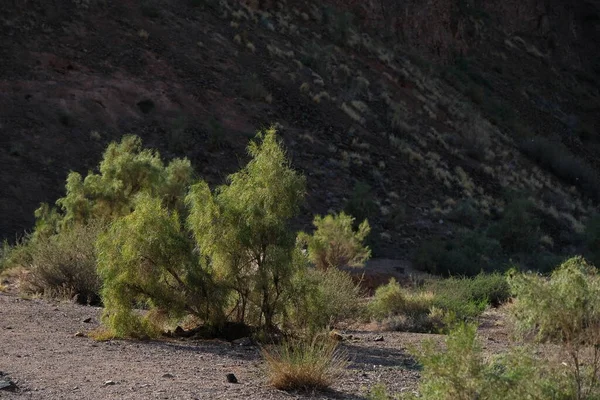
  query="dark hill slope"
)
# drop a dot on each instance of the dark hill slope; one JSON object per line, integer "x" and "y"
{"x": 427, "y": 130}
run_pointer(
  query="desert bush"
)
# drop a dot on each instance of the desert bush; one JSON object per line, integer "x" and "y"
{"x": 126, "y": 169}
{"x": 62, "y": 265}
{"x": 461, "y": 372}
{"x": 564, "y": 309}
{"x": 491, "y": 288}
{"x": 243, "y": 228}
{"x": 146, "y": 258}
{"x": 312, "y": 363}
{"x": 558, "y": 159}
{"x": 403, "y": 309}
{"x": 322, "y": 298}
{"x": 438, "y": 303}
{"x": 335, "y": 243}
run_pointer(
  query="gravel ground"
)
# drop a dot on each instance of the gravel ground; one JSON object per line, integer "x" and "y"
{"x": 41, "y": 354}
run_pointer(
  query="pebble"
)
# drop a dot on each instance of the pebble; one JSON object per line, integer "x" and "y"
{"x": 231, "y": 378}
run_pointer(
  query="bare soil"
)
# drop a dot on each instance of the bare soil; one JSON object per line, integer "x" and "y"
{"x": 41, "y": 354}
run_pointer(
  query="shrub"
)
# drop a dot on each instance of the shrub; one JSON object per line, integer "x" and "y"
{"x": 146, "y": 258}
{"x": 559, "y": 160}
{"x": 461, "y": 372}
{"x": 405, "y": 309}
{"x": 305, "y": 364}
{"x": 243, "y": 228}
{"x": 464, "y": 299}
{"x": 335, "y": 243}
{"x": 322, "y": 298}
{"x": 125, "y": 170}
{"x": 565, "y": 309}
{"x": 62, "y": 265}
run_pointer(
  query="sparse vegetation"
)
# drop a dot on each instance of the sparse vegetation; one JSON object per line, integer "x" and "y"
{"x": 438, "y": 304}
{"x": 307, "y": 364}
{"x": 564, "y": 309}
{"x": 462, "y": 372}
{"x": 63, "y": 265}
{"x": 335, "y": 243}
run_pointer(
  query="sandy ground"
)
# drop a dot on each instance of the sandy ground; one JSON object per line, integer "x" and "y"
{"x": 41, "y": 354}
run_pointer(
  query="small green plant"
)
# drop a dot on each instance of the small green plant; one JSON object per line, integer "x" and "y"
{"x": 308, "y": 364}
{"x": 564, "y": 309}
{"x": 322, "y": 298}
{"x": 461, "y": 372}
{"x": 335, "y": 243}
{"x": 404, "y": 309}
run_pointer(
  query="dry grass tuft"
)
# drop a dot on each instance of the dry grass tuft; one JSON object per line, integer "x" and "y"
{"x": 101, "y": 334}
{"x": 305, "y": 364}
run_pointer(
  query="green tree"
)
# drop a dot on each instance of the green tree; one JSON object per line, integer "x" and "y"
{"x": 243, "y": 227}
{"x": 126, "y": 169}
{"x": 335, "y": 243}
{"x": 146, "y": 258}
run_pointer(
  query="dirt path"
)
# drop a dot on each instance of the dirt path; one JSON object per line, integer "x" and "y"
{"x": 38, "y": 350}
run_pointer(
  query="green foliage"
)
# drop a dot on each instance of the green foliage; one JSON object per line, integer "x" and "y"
{"x": 403, "y": 309}
{"x": 146, "y": 258}
{"x": 307, "y": 364}
{"x": 322, "y": 298}
{"x": 558, "y": 159}
{"x": 564, "y": 309}
{"x": 461, "y": 372}
{"x": 439, "y": 303}
{"x": 335, "y": 243}
{"x": 243, "y": 227}
{"x": 491, "y": 288}
{"x": 62, "y": 265}
{"x": 125, "y": 170}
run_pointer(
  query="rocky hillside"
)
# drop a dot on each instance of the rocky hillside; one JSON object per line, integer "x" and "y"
{"x": 404, "y": 112}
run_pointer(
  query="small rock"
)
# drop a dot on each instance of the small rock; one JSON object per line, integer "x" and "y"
{"x": 231, "y": 378}
{"x": 87, "y": 320}
{"x": 109, "y": 383}
{"x": 79, "y": 334}
{"x": 245, "y": 341}
{"x": 378, "y": 339}
{"x": 7, "y": 385}
{"x": 167, "y": 375}
{"x": 335, "y": 335}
